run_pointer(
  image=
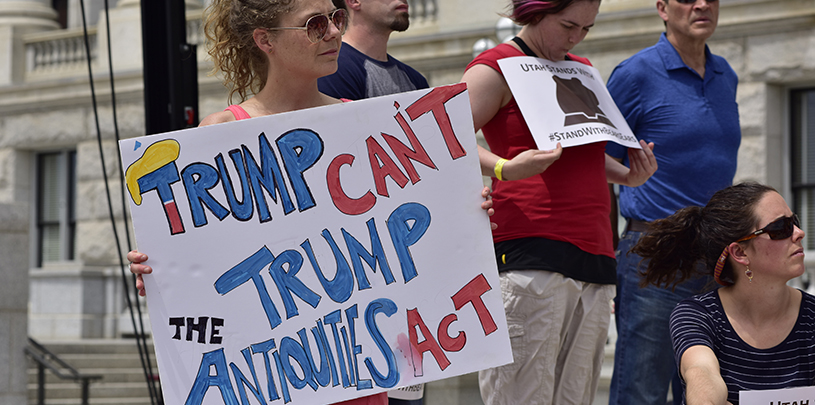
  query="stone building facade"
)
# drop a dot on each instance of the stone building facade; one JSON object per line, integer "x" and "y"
{"x": 60, "y": 266}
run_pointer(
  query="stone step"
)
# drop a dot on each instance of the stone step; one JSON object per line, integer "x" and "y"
{"x": 90, "y": 346}
{"x": 109, "y": 375}
{"x": 104, "y": 361}
{"x": 95, "y": 401}
{"x": 68, "y": 390}
{"x": 117, "y": 361}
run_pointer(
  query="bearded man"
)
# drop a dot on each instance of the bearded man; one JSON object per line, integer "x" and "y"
{"x": 365, "y": 68}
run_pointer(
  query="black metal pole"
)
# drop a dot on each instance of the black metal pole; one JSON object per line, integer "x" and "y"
{"x": 40, "y": 384}
{"x": 170, "y": 68}
{"x": 85, "y": 383}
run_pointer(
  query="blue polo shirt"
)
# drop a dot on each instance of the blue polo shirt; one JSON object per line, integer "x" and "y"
{"x": 693, "y": 123}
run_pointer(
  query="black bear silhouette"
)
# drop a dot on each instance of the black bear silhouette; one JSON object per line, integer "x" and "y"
{"x": 579, "y": 103}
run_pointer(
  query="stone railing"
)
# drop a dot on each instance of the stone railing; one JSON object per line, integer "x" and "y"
{"x": 422, "y": 11}
{"x": 61, "y": 51}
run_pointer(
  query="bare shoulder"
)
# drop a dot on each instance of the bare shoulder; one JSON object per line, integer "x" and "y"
{"x": 484, "y": 80}
{"x": 217, "y": 118}
{"x": 489, "y": 92}
{"x": 482, "y": 73}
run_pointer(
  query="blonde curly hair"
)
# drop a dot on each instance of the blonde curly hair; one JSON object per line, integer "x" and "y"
{"x": 229, "y": 28}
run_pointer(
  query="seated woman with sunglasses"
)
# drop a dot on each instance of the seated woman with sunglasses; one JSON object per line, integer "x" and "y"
{"x": 755, "y": 332}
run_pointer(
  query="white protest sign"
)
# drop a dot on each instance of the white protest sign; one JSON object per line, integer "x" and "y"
{"x": 318, "y": 255}
{"x": 565, "y": 102}
{"x": 786, "y": 396}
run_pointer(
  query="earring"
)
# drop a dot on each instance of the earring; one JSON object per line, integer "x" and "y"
{"x": 749, "y": 274}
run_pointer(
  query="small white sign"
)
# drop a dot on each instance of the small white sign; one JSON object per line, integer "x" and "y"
{"x": 409, "y": 393}
{"x": 786, "y": 396}
{"x": 565, "y": 102}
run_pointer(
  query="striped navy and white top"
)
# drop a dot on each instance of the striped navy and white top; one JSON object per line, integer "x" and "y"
{"x": 700, "y": 320}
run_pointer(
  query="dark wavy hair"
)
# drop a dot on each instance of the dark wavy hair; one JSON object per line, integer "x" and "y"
{"x": 525, "y": 12}
{"x": 675, "y": 245}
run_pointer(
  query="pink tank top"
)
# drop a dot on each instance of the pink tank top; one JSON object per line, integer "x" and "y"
{"x": 241, "y": 114}
{"x": 238, "y": 112}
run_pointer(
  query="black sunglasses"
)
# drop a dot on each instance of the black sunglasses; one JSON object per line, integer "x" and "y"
{"x": 317, "y": 26}
{"x": 781, "y": 228}
{"x": 692, "y": 1}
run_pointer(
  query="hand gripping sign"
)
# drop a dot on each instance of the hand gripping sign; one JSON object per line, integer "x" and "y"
{"x": 565, "y": 102}
{"x": 320, "y": 255}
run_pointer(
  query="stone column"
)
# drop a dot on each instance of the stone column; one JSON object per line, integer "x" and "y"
{"x": 13, "y": 302}
{"x": 126, "y": 35}
{"x": 19, "y": 17}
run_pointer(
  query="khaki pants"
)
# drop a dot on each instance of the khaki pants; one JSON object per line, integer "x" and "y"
{"x": 558, "y": 329}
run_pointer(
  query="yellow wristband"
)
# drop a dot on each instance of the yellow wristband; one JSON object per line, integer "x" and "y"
{"x": 499, "y": 168}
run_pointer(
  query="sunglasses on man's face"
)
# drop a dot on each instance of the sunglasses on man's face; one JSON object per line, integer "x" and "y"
{"x": 781, "y": 228}
{"x": 317, "y": 26}
{"x": 692, "y": 1}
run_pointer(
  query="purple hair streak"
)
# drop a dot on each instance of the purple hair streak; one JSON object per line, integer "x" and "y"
{"x": 531, "y": 11}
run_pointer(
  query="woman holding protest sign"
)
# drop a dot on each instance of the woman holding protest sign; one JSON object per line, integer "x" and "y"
{"x": 755, "y": 332}
{"x": 271, "y": 53}
{"x": 276, "y": 50}
{"x": 553, "y": 243}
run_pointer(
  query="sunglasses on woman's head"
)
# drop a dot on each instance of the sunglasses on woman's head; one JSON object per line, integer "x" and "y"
{"x": 781, "y": 228}
{"x": 317, "y": 26}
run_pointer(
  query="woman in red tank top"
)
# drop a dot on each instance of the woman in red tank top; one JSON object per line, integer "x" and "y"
{"x": 553, "y": 243}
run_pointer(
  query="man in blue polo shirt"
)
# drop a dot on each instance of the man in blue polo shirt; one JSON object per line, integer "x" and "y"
{"x": 683, "y": 98}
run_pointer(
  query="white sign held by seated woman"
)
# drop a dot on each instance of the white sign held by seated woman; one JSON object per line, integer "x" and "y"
{"x": 565, "y": 102}
{"x": 787, "y": 396}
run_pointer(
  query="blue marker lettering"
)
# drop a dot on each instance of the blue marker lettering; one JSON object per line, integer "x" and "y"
{"x": 300, "y": 149}
{"x": 241, "y": 210}
{"x": 242, "y": 382}
{"x": 291, "y": 349}
{"x": 340, "y": 288}
{"x": 405, "y": 235}
{"x": 249, "y": 269}
{"x": 323, "y": 374}
{"x": 351, "y": 314}
{"x": 288, "y": 283}
{"x": 198, "y": 178}
{"x": 376, "y": 256}
{"x": 265, "y": 347}
{"x": 269, "y": 176}
{"x": 203, "y": 380}
{"x": 387, "y": 307}
{"x": 332, "y": 319}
